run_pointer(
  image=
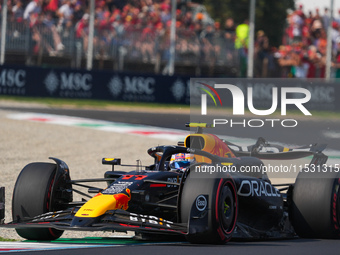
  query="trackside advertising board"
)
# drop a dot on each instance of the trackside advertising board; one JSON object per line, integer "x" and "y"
{"x": 136, "y": 87}
{"x": 102, "y": 85}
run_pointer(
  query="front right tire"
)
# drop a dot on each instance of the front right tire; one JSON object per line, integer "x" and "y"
{"x": 222, "y": 207}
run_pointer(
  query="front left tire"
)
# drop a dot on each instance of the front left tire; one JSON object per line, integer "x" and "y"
{"x": 32, "y": 194}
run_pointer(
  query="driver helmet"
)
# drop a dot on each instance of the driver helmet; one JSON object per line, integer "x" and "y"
{"x": 181, "y": 161}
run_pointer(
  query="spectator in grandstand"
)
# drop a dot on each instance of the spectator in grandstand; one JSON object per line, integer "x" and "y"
{"x": 336, "y": 62}
{"x": 296, "y": 23}
{"x": 147, "y": 43}
{"x": 261, "y": 54}
{"x": 326, "y": 19}
{"x": 229, "y": 29}
{"x": 289, "y": 60}
{"x": 117, "y": 23}
{"x": 187, "y": 46}
{"x": 316, "y": 27}
{"x": 317, "y": 14}
{"x": 52, "y": 5}
{"x": 164, "y": 49}
{"x": 198, "y": 29}
{"x": 306, "y": 35}
{"x": 100, "y": 10}
{"x": 187, "y": 20}
{"x": 300, "y": 9}
{"x": 17, "y": 11}
{"x": 31, "y": 17}
{"x": 49, "y": 30}
{"x": 207, "y": 37}
{"x": 105, "y": 33}
{"x": 241, "y": 44}
{"x": 218, "y": 40}
{"x": 78, "y": 12}
{"x": 229, "y": 37}
{"x": 321, "y": 42}
{"x": 211, "y": 39}
{"x": 335, "y": 35}
{"x": 317, "y": 63}
{"x": 165, "y": 13}
{"x": 32, "y": 9}
{"x": 242, "y": 33}
{"x": 309, "y": 19}
{"x": 82, "y": 30}
{"x": 337, "y": 19}
{"x": 65, "y": 14}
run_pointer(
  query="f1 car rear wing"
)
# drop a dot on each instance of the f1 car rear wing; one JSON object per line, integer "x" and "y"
{"x": 261, "y": 149}
{"x": 264, "y": 150}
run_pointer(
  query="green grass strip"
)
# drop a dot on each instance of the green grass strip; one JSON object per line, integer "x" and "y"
{"x": 81, "y": 103}
{"x": 7, "y": 239}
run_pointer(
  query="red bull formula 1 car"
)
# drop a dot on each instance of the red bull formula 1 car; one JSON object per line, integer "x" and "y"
{"x": 170, "y": 199}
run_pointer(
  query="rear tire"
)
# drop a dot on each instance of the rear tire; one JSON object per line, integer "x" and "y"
{"x": 31, "y": 197}
{"x": 222, "y": 207}
{"x": 315, "y": 208}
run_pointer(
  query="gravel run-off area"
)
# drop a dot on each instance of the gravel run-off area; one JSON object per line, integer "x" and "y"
{"x": 23, "y": 142}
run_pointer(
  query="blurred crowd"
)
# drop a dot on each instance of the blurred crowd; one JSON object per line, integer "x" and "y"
{"x": 141, "y": 27}
{"x": 303, "y": 53}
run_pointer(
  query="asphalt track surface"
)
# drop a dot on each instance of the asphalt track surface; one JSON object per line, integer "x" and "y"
{"x": 319, "y": 131}
{"x": 307, "y": 132}
{"x": 283, "y": 247}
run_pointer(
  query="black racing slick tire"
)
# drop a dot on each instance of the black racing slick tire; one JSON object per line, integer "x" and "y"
{"x": 221, "y": 210}
{"x": 31, "y": 197}
{"x": 315, "y": 207}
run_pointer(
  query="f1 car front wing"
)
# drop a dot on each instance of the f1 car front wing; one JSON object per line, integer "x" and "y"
{"x": 119, "y": 220}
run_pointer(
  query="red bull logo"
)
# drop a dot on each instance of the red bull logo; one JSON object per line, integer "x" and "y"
{"x": 122, "y": 200}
